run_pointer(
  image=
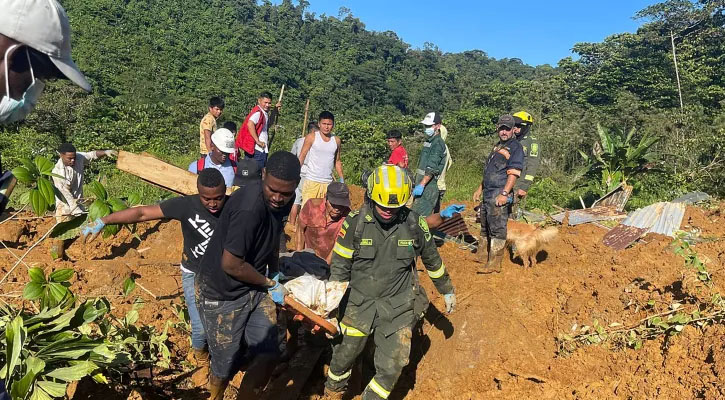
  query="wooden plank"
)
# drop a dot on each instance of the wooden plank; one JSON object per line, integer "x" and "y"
{"x": 310, "y": 315}
{"x": 157, "y": 172}
{"x": 289, "y": 385}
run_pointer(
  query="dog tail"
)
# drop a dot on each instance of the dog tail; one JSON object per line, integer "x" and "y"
{"x": 546, "y": 235}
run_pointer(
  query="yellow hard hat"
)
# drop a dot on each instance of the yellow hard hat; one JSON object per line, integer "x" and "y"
{"x": 389, "y": 186}
{"x": 525, "y": 117}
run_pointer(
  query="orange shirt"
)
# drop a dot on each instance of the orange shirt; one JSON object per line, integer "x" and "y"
{"x": 320, "y": 234}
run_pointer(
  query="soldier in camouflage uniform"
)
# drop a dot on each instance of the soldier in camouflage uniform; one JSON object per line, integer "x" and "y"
{"x": 376, "y": 252}
{"x": 532, "y": 153}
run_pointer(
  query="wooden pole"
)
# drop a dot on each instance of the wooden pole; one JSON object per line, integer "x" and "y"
{"x": 304, "y": 121}
{"x": 271, "y": 138}
{"x": 677, "y": 71}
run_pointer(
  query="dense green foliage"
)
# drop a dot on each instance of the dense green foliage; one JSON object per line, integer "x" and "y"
{"x": 154, "y": 64}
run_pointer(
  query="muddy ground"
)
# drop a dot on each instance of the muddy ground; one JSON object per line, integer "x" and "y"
{"x": 500, "y": 342}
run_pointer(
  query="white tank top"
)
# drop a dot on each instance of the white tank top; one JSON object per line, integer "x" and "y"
{"x": 321, "y": 159}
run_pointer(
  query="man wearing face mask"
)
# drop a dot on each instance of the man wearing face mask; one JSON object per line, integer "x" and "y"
{"x": 503, "y": 166}
{"x": 432, "y": 162}
{"x": 376, "y": 252}
{"x": 34, "y": 46}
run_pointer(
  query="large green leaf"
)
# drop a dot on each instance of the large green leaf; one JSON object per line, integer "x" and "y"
{"x": 133, "y": 199}
{"x": 98, "y": 209}
{"x": 46, "y": 189}
{"x": 68, "y": 229}
{"x": 31, "y": 167}
{"x": 38, "y": 202}
{"x": 74, "y": 372}
{"x": 57, "y": 292}
{"x": 21, "y": 388}
{"x": 98, "y": 190}
{"x": 54, "y": 389}
{"x": 36, "y": 274}
{"x": 116, "y": 204}
{"x": 32, "y": 290}
{"x": 39, "y": 394}
{"x": 15, "y": 335}
{"x": 44, "y": 165}
{"x": 61, "y": 275}
{"x": 23, "y": 175}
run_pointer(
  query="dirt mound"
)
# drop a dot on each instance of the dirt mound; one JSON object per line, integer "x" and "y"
{"x": 501, "y": 340}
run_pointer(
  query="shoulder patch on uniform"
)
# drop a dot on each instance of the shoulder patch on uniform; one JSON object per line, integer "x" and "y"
{"x": 366, "y": 242}
{"x": 534, "y": 150}
{"x": 424, "y": 226}
{"x": 405, "y": 243}
{"x": 368, "y": 217}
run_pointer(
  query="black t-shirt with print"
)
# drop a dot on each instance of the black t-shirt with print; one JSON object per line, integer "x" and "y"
{"x": 197, "y": 226}
{"x": 248, "y": 229}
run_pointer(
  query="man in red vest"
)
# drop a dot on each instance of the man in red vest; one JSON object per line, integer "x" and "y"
{"x": 253, "y": 139}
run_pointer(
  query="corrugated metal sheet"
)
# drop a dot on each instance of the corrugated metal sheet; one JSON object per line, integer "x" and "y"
{"x": 617, "y": 197}
{"x": 586, "y": 215}
{"x": 663, "y": 218}
{"x": 622, "y": 236}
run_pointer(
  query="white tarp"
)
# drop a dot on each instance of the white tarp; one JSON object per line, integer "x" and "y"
{"x": 322, "y": 297}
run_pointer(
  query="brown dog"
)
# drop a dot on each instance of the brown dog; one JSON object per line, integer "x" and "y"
{"x": 528, "y": 239}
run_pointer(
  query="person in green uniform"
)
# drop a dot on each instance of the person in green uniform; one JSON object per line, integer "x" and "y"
{"x": 532, "y": 153}
{"x": 432, "y": 162}
{"x": 376, "y": 252}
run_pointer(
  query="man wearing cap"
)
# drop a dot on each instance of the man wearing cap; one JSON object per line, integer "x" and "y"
{"x": 321, "y": 219}
{"x": 500, "y": 171}
{"x": 398, "y": 154}
{"x": 34, "y": 47}
{"x": 198, "y": 215}
{"x": 247, "y": 172}
{"x": 432, "y": 161}
{"x": 222, "y": 145}
{"x": 68, "y": 179}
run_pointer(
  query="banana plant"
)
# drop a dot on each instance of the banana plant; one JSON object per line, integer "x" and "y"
{"x": 103, "y": 204}
{"x": 617, "y": 157}
{"x": 38, "y": 175}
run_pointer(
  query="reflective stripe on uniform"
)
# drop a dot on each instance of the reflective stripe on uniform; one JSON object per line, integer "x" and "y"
{"x": 338, "y": 378}
{"x": 437, "y": 273}
{"x": 379, "y": 390}
{"x": 342, "y": 251}
{"x": 529, "y": 177}
{"x": 350, "y": 331}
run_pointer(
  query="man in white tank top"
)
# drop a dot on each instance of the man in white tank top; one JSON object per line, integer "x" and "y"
{"x": 320, "y": 153}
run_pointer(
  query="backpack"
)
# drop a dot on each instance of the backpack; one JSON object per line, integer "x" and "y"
{"x": 201, "y": 163}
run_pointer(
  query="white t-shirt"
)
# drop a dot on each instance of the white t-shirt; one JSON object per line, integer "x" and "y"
{"x": 71, "y": 184}
{"x": 263, "y": 136}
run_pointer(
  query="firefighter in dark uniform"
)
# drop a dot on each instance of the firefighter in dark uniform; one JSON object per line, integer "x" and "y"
{"x": 532, "y": 154}
{"x": 501, "y": 169}
{"x": 433, "y": 159}
{"x": 376, "y": 252}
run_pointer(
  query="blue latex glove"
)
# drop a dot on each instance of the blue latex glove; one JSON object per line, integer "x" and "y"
{"x": 452, "y": 209}
{"x": 450, "y": 299}
{"x": 92, "y": 229}
{"x": 277, "y": 291}
{"x": 418, "y": 191}
{"x": 342, "y": 180}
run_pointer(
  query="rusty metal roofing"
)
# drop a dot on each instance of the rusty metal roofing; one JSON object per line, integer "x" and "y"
{"x": 622, "y": 236}
{"x": 617, "y": 197}
{"x": 663, "y": 218}
{"x": 586, "y": 215}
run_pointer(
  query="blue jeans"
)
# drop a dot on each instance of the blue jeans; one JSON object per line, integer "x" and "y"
{"x": 247, "y": 324}
{"x": 259, "y": 156}
{"x": 198, "y": 336}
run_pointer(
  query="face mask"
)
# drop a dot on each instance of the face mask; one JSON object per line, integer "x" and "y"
{"x": 429, "y": 131}
{"x": 12, "y": 110}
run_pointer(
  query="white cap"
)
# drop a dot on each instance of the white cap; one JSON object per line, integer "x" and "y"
{"x": 431, "y": 118}
{"x": 223, "y": 139}
{"x": 42, "y": 25}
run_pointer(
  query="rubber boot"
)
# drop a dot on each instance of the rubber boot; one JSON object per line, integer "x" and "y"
{"x": 495, "y": 257}
{"x": 200, "y": 359}
{"x": 482, "y": 255}
{"x": 216, "y": 387}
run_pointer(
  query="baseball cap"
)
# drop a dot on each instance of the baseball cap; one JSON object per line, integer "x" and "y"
{"x": 42, "y": 25}
{"x": 247, "y": 171}
{"x": 223, "y": 139}
{"x": 506, "y": 120}
{"x": 338, "y": 194}
{"x": 431, "y": 118}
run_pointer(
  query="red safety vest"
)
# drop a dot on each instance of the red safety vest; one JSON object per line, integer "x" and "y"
{"x": 244, "y": 138}
{"x": 201, "y": 163}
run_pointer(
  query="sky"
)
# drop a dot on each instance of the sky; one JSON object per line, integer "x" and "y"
{"x": 535, "y": 31}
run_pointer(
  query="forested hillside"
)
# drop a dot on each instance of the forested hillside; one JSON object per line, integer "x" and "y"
{"x": 154, "y": 64}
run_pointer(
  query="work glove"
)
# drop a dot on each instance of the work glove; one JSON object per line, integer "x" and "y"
{"x": 111, "y": 153}
{"x": 449, "y": 211}
{"x": 450, "y": 299}
{"x": 277, "y": 291}
{"x": 418, "y": 191}
{"x": 342, "y": 180}
{"x": 92, "y": 229}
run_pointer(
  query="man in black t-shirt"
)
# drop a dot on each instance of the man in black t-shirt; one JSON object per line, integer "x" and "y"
{"x": 236, "y": 294}
{"x": 198, "y": 215}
